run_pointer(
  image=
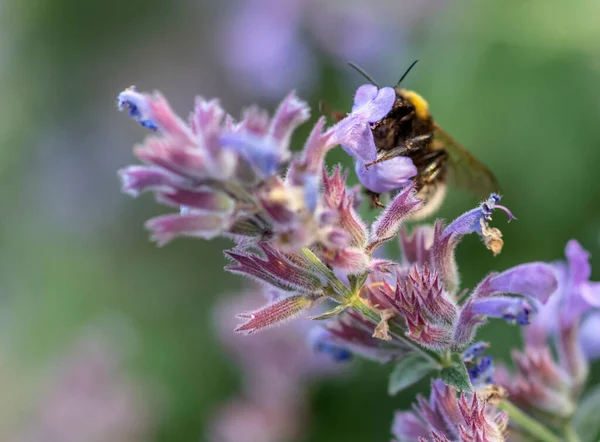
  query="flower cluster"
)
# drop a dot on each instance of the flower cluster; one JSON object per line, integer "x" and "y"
{"x": 296, "y": 230}
{"x": 545, "y": 385}
{"x": 418, "y": 297}
{"x": 445, "y": 417}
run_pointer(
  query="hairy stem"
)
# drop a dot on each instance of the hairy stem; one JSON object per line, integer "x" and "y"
{"x": 340, "y": 292}
{"x": 527, "y": 423}
{"x": 570, "y": 434}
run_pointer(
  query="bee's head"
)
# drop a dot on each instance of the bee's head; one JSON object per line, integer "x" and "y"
{"x": 420, "y": 104}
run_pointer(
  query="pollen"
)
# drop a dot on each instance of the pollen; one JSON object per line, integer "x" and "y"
{"x": 492, "y": 237}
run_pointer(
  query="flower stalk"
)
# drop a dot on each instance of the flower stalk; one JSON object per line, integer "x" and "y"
{"x": 527, "y": 423}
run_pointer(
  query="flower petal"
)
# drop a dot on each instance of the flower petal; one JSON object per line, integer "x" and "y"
{"x": 274, "y": 314}
{"x": 512, "y": 309}
{"x": 364, "y": 94}
{"x": 536, "y": 280}
{"x": 138, "y": 179}
{"x": 262, "y": 153}
{"x": 376, "y": 108}
{"x": 387, "y": 224}
{"x": 386, "y": 176}
{"x": 579, "y": 265}
{"x": 165, "y": 228}
{"x": 356, "y": 138}
{"x": 588, "y": 336}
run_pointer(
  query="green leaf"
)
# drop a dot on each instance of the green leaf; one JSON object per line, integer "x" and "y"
{"x": 329, "y": 314}
{"x": 408, "y": 371}
{"x": 457, "y": 376}
{"x": 585, "y": 421}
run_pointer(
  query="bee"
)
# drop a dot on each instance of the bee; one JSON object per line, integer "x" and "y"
{"x": 410, "y": 130}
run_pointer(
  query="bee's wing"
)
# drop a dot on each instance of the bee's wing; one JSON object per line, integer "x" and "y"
{"x": 466, "y": 171}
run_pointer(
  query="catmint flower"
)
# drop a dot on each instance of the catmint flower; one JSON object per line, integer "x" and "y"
{"x": 419, "y": 297}
{"x": 448, "y": 417}
{"x": 354, "y": 134}
{"x": 225, "y": 175}
{"x": 545, "y": 382}
{"x": 479, "y": 366}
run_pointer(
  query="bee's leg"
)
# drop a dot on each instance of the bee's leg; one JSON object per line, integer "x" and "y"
{"x": 434, "y": 169}
{"x": 415, "y": 143}
{"x": 374, "y": 200}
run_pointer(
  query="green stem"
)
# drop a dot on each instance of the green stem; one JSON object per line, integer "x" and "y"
{"x": 341, "y": 293}
{"x": 530, "y": 425}
{"x": 570, "y": 434}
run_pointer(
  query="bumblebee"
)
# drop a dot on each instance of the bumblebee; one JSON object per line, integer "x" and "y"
{"x": 409, "y": 130}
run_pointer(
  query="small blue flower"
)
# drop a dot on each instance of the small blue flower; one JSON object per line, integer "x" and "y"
{"x": 480, "y": 367}
{"x": 261, "y": 152}
{"x": 474, "y": 351}
{"x": 338, "y": 354}
{"x": 481, "y": 372}
{"x": 322, "y": 342}
{"x": 136, "y": 106}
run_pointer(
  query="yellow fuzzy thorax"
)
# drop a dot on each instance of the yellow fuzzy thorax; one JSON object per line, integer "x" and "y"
{"x": 420, "y": 104}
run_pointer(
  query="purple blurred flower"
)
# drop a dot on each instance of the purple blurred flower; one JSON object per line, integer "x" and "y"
{"x": 269, "y": 47}
{"x": 588, "y": 336}
{"x": 544, "y": 382}
{"x": 446, "y": 417}
{"x": 277, "y": 367}
{"x": 89, "y": 399}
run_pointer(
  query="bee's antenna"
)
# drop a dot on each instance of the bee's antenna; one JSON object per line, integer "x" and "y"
{"x": 406, "y": 73}
{"x": 363, "y": 73}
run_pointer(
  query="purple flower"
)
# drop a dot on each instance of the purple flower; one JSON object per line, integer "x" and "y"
{"x": 543, "y": 382}
{"x": 418, "y": 298}
{"x": 446, "y": 417}
{"x": 539, "y": 383}
{"x": 386, "y": 176}
{"x": 480, "y": 367}
{"x": 561, "y": 318}
{"x": 354, "y": 132}
{"x": 356, "y": 137}
{"x": 224, "y": 175}
{"x": 588, "y": 336}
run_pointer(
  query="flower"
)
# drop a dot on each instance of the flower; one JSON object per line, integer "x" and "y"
{"x": 544, "y": 382}
{"x": 225, "y": 175}
{"x": 588, "y": 336}
{"x": 480, "y": 367}
{"x": 446, "y": 417}
{"x": 356, "y": 137}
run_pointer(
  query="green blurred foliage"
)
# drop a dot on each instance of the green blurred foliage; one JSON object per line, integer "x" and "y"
{"x": 516, "y": 81}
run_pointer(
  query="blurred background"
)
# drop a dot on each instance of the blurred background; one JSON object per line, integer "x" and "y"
{"x": 105, "y": 337}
